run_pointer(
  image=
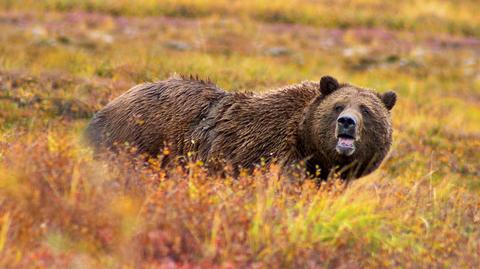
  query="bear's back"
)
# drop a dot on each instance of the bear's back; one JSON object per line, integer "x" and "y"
{"x": 150, "y": 114}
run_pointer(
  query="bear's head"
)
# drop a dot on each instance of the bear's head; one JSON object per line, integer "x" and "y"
{"x": 350, "y": 127}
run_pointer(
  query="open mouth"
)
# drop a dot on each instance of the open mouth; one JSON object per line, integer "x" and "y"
{"x": 345, "y": 144}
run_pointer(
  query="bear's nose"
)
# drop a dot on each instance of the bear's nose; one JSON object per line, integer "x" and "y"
{"x": 346, "y": 121}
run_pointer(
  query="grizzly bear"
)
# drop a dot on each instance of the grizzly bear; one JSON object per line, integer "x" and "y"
{"x": 325, "y": 127}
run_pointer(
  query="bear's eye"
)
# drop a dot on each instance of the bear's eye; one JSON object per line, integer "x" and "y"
{"x": 339, "y": 108}
{"x": 365, "y": 110}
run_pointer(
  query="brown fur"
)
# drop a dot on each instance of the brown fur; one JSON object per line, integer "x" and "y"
{"x": 290, "y": 125}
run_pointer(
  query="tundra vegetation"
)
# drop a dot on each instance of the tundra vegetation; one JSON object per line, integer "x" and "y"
{"x": 60, "y": 61}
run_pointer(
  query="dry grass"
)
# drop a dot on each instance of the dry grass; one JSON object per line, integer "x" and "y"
{"x": 458, "y": 17}
{"x": 61, "y": 208}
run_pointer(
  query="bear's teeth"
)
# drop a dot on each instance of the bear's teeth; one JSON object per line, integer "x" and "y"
{"x": 346, "y": 142}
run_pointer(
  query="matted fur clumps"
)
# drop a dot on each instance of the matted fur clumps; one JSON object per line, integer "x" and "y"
{"x": 293, "y": 125}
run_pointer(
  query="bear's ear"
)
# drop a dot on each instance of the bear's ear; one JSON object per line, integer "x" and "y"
{"x": 328, "y": 85}
{"x": 389, "y": 99}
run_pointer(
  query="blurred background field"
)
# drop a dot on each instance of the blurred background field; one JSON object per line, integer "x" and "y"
{"x": 60, "y": 61}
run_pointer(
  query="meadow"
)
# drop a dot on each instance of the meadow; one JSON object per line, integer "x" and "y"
{"x": 61, "y": 60}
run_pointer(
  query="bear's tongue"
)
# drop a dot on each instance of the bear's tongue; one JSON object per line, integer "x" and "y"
{"x": 345, "y": 142}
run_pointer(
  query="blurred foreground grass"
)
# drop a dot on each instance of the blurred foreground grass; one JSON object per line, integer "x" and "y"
{"x": 60, "y": 208}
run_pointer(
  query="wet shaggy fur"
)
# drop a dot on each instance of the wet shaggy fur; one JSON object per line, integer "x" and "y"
{"x": 293, "y": 125}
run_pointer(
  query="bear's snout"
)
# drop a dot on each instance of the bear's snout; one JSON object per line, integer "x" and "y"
{"x": 346, "y": 131}
{"x": 346, "y": 125}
